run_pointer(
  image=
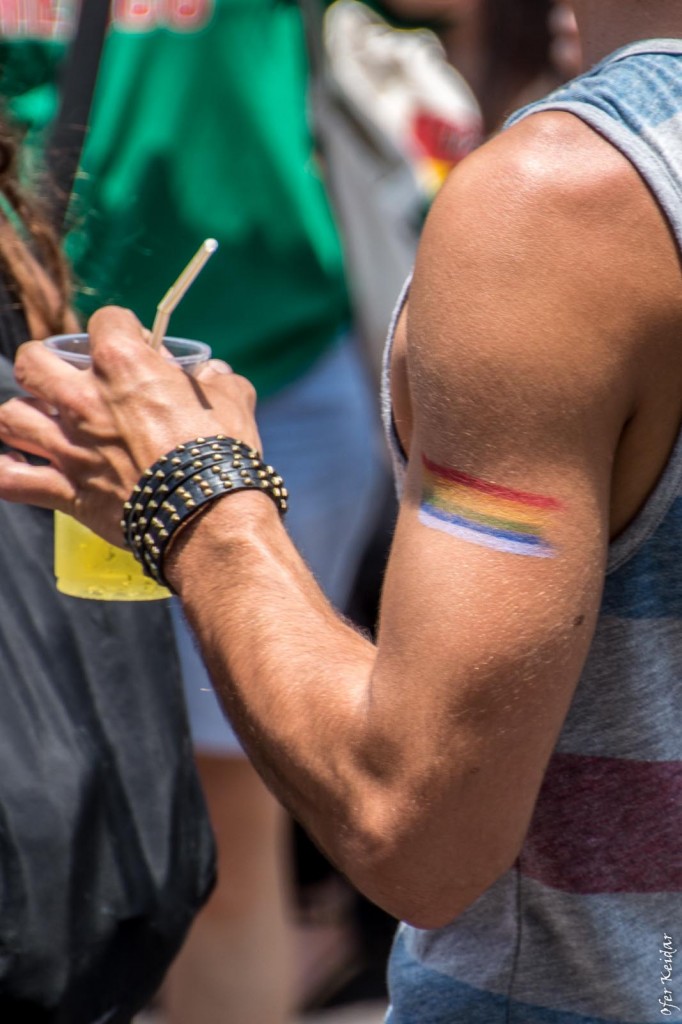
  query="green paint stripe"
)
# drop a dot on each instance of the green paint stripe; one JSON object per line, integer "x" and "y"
{"x": 497, "y": 522}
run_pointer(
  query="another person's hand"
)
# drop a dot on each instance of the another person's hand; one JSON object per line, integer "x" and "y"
{"x": 100, "y": 428}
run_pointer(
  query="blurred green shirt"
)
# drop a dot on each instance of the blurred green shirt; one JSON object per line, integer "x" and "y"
{"x": 199, "y": 129}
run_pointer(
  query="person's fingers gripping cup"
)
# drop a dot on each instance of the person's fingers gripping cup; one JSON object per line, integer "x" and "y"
{"x": 85, "y": 565}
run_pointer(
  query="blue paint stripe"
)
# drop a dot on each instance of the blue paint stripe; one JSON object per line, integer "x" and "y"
{"x": 519, "y": 538}
{"x": 421, "y": 996}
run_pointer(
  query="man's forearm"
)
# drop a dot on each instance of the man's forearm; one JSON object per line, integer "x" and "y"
{"x": 302, "y": 690}
{"x": 291, "y": 675}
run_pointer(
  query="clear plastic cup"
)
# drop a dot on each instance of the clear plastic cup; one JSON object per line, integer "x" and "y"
{"x": 84, "y": 564}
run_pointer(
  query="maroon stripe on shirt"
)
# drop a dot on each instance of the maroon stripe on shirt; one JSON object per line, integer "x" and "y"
{"x": 607, "y": 825}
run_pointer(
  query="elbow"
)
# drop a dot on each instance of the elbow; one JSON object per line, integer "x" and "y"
{"x": 421, "y": 841}
{"x": 426, "y": 901}
{"x": 422, "y": 903}
{"x": 416, "y": 872}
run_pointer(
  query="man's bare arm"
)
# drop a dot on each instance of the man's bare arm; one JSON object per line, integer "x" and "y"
{"x": 433, "y": 754}
{"x": 399, "y": 763}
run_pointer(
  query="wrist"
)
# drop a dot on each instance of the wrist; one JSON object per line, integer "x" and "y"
{"x": 221, "y": 534}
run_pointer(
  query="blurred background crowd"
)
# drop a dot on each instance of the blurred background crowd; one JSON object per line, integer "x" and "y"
{"x": 309, "y": 139}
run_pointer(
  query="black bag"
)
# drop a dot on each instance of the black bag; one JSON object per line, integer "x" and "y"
{"x": 105, "y": 848}
{"x": 106, "y": 851}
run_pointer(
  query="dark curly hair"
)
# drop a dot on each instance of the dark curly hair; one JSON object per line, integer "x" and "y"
{"x": 27, "y": 236}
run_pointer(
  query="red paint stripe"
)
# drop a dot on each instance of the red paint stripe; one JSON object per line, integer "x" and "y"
{"x": 607, "y": 825}
{"x": 524, "y": 497}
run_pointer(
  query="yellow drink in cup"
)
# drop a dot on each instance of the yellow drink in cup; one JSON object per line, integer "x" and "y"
{"x": 84, "y": 564}
{"x": 87, "y": 566}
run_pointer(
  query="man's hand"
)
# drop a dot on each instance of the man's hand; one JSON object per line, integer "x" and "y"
{"x": 100, "y": 428}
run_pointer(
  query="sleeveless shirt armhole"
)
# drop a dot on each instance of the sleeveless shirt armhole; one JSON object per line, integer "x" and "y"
{"x": 398, "y": 455}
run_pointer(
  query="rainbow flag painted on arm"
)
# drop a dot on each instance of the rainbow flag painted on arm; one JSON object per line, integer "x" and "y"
{"x": 484, "y": 513}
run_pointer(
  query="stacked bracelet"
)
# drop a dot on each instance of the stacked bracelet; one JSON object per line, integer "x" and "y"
{"x": 179, "y": 484}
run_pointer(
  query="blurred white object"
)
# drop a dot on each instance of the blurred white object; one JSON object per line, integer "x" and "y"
{"x": 402, "y": 81}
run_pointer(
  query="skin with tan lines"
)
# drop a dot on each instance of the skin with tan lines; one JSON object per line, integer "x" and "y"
{"x": 416, "y": 764}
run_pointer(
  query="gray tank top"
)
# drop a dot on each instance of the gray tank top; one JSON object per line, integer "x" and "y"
{"x": 585, "y": 928}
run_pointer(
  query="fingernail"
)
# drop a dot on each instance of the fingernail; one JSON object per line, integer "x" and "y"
{"x": 219, "y": 366}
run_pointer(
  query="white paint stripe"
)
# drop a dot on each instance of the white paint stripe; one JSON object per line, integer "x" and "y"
{"x": 483, "y": 539}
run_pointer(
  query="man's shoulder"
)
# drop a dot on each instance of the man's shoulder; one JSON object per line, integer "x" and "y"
{"x": 551, "y": 196}
{"x": 548, "y": 158}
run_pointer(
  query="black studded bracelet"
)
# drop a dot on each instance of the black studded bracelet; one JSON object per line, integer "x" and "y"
{"x": 184, "y": 481}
